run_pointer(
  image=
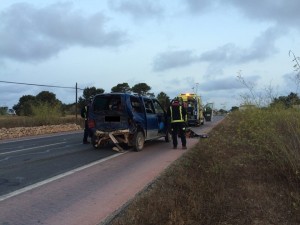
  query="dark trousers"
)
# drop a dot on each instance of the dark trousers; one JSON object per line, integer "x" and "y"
{"x": 178, "y": 128}
{"x": 86, "y": 131}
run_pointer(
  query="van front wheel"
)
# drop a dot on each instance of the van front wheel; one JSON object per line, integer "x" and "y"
{"x": 139, "y": 141}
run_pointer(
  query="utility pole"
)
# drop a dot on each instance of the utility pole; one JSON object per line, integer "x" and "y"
{"x": 76, "y": 103}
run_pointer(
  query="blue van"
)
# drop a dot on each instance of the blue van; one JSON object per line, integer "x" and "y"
{"x": 124, "y": 118}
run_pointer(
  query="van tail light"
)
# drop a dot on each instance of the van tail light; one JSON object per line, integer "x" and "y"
{"x": 91, "y": 123}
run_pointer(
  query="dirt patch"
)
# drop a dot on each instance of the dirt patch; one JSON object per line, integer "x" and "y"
{"x": 17, "y": 132}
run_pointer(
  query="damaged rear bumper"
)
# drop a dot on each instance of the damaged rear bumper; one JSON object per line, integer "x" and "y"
{"x": 116, "y": 136}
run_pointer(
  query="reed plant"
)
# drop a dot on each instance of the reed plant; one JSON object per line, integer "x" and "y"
{"x": 275, "y": 133}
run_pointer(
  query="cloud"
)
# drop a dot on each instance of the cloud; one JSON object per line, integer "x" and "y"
{"x": 227, "y": 53}
{"x": 230, "y": 83}
{"x": 282, "y": 12}
{"x": 12, "y": 94}
{"x": 225, "y": 92}
{"x": 31, "y": 34}
{"x": 139, "y": 10}
{"x": 264, "y": 46}
{"x": 261, "y": 48}
{"x": 173, "y": 59}
{"x": 196, "y": 6}
{"x": 291, "y": 81}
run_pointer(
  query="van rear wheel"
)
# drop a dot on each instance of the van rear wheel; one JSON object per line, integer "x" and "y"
{"x": 139, "y": 141}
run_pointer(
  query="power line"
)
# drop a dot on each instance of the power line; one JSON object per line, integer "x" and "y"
{"x": 44, "y": 85}
{"x": 41, "y": 85}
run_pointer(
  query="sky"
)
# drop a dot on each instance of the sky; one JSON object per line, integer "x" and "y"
{"x": 174, "y": 46}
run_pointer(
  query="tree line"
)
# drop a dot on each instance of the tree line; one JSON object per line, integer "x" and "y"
{"x": 28, "y": 105}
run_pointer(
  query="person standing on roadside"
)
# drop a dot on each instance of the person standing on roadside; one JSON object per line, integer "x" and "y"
{"x": 85, "y": 116}
{"x": 177, "y": 115}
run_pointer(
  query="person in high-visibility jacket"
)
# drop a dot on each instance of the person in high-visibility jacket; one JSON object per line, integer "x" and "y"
{"x": 177, "y": 116}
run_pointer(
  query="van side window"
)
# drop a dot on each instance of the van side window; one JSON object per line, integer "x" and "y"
{"x": 149, "y": 106}
{"x": 158, "y": 108}
{"x": 136, "y": 104}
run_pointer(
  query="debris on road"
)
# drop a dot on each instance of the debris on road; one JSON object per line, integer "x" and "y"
{"x": 191, "y": 134}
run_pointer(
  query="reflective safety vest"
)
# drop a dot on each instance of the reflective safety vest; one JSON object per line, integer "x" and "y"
{"x": 180, "y": 118}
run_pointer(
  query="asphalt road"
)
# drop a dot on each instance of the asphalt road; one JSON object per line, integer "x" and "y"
{"x": 28, "y": 161}
{"x": 58, "y": 180}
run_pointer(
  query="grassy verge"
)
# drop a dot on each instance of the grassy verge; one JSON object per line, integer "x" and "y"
{"x": 246, "y": 172}
{"x": 24, "y": 121}
{"x": 43, "y": 114}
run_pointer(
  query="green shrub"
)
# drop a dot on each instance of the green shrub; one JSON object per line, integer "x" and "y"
{"x": 274, "y": 132}
{"x": 45, "y": 114}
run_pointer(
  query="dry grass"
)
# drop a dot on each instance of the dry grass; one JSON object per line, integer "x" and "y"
{"x": 42, "y": 114}
{"x": 246, "y": 172}
{"x": 24, "y": 121}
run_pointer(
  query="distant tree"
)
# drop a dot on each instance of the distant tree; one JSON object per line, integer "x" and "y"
{"x": 23, "y": 108}
{"x": 89, "y": 92}
{"x": 3, "y": 110}
{"x": 234, "y": 108}
{"x": 293, "y": 99}
{"x": 47, "y": 101}
{"x": 151, "y": 94}
{"x": 222, "y": 111}
{"x": 27, "y": 102}
{"x": 48, "y": 97}
{"x": 164, "y": 100}
{"x": 124, "y": 87}
{"x": 287, "y": 101}
{"x": 142, "y": 89}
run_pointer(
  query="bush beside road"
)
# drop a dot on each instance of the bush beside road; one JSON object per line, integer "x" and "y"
{"x": 246, "y": 172}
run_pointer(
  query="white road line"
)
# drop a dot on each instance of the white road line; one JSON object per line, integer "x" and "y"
{"x": 26, "y": 149}
{"x": 33, "y": 186}
{"x": 4, "y": 141}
